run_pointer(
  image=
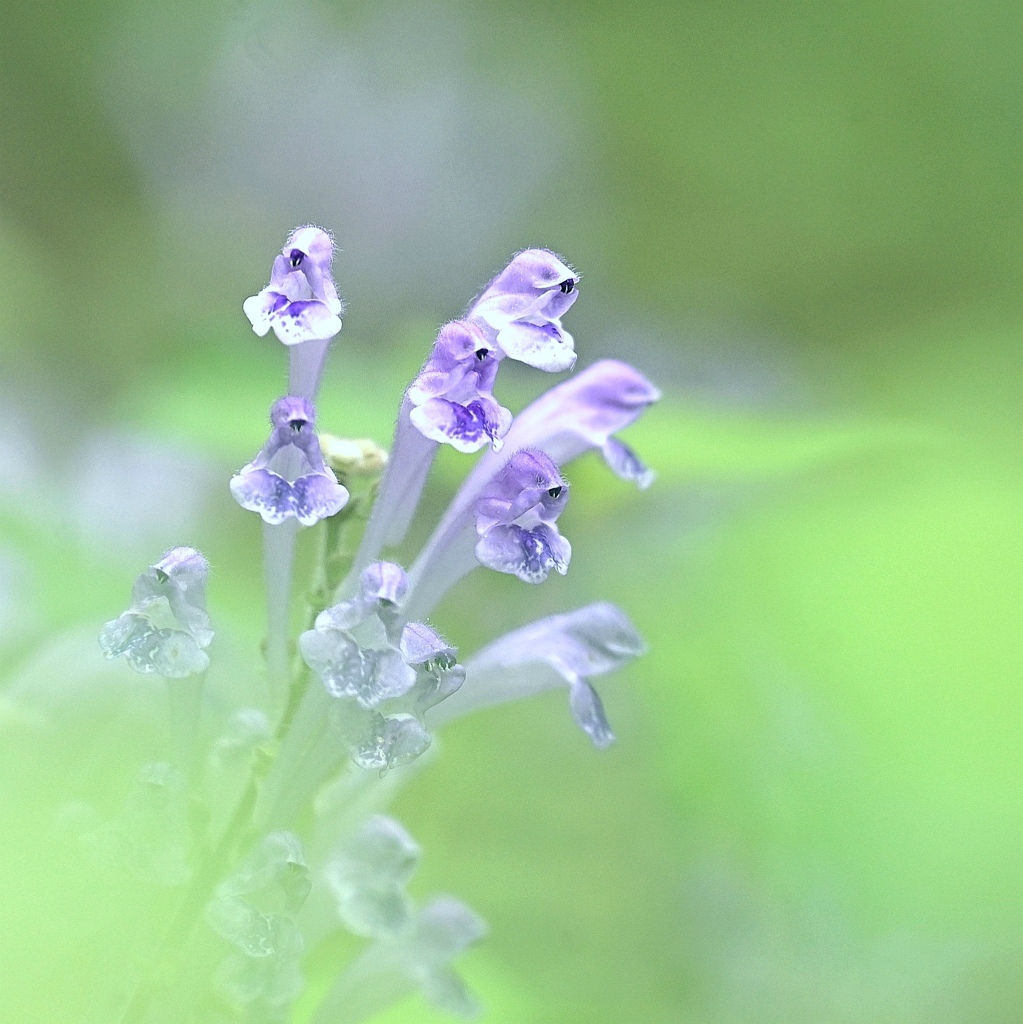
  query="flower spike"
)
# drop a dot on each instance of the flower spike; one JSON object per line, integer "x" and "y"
{"x": 301, "y": 302}
{"x": 288, "y": 478}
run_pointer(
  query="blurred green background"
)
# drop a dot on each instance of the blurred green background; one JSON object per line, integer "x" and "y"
{"x": 803, "y": 222}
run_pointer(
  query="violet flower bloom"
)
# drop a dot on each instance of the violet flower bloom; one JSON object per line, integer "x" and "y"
{"x": 289, "y": 477}
{"x": 559, "y": 650}
{"x": 452, "y": 395}
{"x": 516, "y": 516}
{"x": 301, "y": 302}
{"x": 521, "y": 310}
{"x": 166, "y": 629}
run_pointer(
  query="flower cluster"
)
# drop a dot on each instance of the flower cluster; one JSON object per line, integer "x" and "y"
{"x": 288, "y": 780}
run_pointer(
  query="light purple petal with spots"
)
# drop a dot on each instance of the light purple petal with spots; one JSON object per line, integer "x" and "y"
{"x": 305, "y": 321}
{"x": 528, "y": 554}
{"x": 546, "y": 346}
{"x": 317, "y": 496}
{"x": 269, "y": 494}
{"x": 261, "y": 308}
{"x": 467, "y": 428}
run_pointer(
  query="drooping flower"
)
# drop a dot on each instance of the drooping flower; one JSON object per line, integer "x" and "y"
{"x": 166, "y": 629}
{"x": 452, "y": 395}
{"x": 289, "y": 477}
{"x": 516, "y": 517}
{"x": 521, "y": 310}
{"x": 578, "y": 415}
{"x": 301, "y": 302}
{"x": 568, "y": 649}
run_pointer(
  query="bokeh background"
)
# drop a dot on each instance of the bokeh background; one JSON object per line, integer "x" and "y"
{"x": 804, "y": 222}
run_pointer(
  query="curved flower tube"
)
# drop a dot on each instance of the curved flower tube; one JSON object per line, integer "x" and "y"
{"x": 560, "y": 650}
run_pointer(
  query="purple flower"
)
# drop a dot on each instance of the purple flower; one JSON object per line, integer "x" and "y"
{"x": 521, "y": 310}
{"x": 166, "y": 629}
{"x": 301, "y": 302}
{"x": 559, "y": 650}
{"x": 288, "y": 477}
{"x": 452, "y": 395}
{"x": 516, "y": 516}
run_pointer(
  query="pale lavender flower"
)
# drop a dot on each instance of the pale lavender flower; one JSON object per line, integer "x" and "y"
{"x": 452, "y": 395}
{"x": 516, "y": 516}
{"x": 367, "y": 875}
{"x": 353, "y": 646}
{"x": 521, "y": 310}
{"x": 559, "y": 650}
{"x": 166, "y": 629}
{"x": 288, "y": 478}
{"x": 301, "y": 302}
{"x": 419, "y": 958}
{"x": 387, "y": 673}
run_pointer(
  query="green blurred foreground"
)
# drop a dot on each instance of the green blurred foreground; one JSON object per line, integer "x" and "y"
{"x": 813, "y": 812}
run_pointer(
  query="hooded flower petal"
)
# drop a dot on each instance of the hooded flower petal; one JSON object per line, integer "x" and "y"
{"x": 513, "y": 520}
{"x": 521, "y": 310}
{"x": 559, "y": 650}
{"x": 301, "y": 302}
{"x": 288, "y": 477}
{"x": 452, "y": 396}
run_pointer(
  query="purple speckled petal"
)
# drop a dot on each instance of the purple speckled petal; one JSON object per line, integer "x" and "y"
{"x": 261, "y": 309}
{"x": 467, "y": 428}
{"x": 269, "y": 494}
{"x": 305, "y": 321}
{"x": 528, "y": 554}
{"x": 546, "y": 346}
{"x": 317, "y": 496}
